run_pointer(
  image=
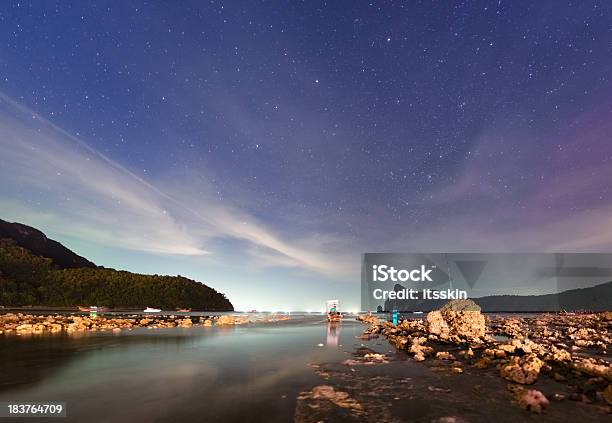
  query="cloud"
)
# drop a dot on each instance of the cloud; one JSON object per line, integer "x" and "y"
{"x": 56, "y": 180}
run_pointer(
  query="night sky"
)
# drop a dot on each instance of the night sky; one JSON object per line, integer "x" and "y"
{"x": 262, "y": 147}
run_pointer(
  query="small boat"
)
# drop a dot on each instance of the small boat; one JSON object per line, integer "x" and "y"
{"x": 93, "y": 309}
{"x": 333, "y": 315}
{"x": 183, "y": 310}
{"x": 151, "y": 310}
{"x": 417, "y": 312}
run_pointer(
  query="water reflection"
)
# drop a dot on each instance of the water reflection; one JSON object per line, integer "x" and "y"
{"x": 242, "y": 374}
{"x": 333, "y": 333}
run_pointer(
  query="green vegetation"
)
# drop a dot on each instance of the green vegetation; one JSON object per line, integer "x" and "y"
{"x": 26, "y": 279}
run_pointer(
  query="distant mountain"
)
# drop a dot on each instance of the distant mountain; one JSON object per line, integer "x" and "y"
{"x": 595, "y": 298}
{"x": 35, "y": 270}
{"x": 37, "y": 242}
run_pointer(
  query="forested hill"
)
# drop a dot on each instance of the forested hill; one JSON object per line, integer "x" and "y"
{"x": 37, "y": 242}
{"x": 29, "y": 279}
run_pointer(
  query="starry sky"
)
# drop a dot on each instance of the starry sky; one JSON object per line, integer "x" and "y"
{"x": 262, "y": 146}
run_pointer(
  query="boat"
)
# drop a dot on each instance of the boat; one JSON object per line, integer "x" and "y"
{"x": 183, "y": 310}
{"x": 333, "y": 315}
{"x": 151, "y": 310}
{"x": 92, "y": 309}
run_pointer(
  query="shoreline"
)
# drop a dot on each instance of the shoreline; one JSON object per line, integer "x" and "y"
{"x": 456, "y": 363}
{"x": 564, "y": 356}
{"x": 20, "y": 323}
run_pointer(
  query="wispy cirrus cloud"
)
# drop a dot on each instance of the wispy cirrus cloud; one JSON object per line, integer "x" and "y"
{"x": 54, "y": 179}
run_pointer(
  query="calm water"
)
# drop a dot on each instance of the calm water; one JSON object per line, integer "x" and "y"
{"x": 250, "y": 373}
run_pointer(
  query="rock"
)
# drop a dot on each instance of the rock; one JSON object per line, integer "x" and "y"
{"x": 460, "y": 305}
{"x": 207, "y": 322}
{"x": 418, "y": 349}
{"x": 494, "y": 353}
{"x": 436, "y": 324}
{"x": 592, "y": 368}
{"x": 527, "y": 346}
{"x": 457, "y": 318}
{"x": 225, "y": 320}
{"x": 368, "y": 318}
{"x": 444, "y": 355}
{"x": 560, "y": 355}
{"x": 469, "y": 353}
{"x": 524, "y": 370}
{"x": 507, "y": 348}
{"x": 375, "y": 358}
{"x": 338, "y": 398}
{"x": 482, "y": 363}
{"x": 185, "y": 323}
{"x": 532, "y": 400}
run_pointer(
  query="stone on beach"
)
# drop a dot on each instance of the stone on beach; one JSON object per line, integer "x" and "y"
{"x": 457, "y": 318}
{"x": 185, "y": 323}
{"x": 232, "y": 320}
{"x": 532, "y": 400}
{"x": 336, "y": 397}
{"x": 23, "y": 324}
{"x": 524, "y": 370}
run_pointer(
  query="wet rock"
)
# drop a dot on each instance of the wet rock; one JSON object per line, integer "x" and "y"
{"x": 444, "y": 355}
{"x": 328, "y": 393}
{"x": 494, "y": 353}
{"x": 591, "y": 367}
{"x": 560, "y": 355}
{"x": 73, "y": 324}
{"x": 524, "y": 370}
{"x": 532, "y": 400}
{"x": 526, "y": 346}
{"x": 460, "y": 319}
{"x": 368, "y": 318}
{"x": 469, "y": 353}
{"x": 418, "y": 349}
{"x": 232, "y": 320}
{"x": 375, "y": 358}
{"x": 436, "y": 324}
{"x": 185, "y": 323}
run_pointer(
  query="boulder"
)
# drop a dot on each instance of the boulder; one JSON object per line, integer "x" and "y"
{"x": 457, "y": 318}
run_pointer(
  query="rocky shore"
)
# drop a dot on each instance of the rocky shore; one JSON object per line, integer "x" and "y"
{"x": 570, "y": 349}
{"x": 21, "y": 324}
